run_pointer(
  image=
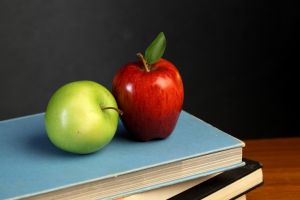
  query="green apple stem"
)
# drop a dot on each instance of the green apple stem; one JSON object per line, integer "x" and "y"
{"x": 145, "y": 64}
{"x": 113, "y": 108}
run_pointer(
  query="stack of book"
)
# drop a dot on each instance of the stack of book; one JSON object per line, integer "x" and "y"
{"x": 198, "y": 161}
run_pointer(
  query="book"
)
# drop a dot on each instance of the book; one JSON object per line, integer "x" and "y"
{"x": 231, "y": 184}
{"x": 32, "y": 167}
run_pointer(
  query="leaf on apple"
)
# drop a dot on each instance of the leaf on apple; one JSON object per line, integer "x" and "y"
{"x": 156, "y": 49}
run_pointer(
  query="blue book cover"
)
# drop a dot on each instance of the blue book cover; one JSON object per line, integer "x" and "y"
{"x": 31, "y": 165}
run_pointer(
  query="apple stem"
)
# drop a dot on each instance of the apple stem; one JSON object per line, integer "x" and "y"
{"x": 116, "y": 109}
{"x": 146, "y": 66}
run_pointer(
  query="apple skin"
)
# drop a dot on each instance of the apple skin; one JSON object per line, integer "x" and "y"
{"x": 151, "y": 101}
{"x": 75, "y": 121}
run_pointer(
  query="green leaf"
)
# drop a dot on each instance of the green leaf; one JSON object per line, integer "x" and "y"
{"x": 156, "y": 49}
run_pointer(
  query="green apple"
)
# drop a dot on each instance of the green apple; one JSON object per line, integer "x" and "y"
{"x": 81, "y": 117}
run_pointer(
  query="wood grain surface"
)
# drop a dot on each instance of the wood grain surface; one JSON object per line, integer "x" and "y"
{"x": 281, "y": 167}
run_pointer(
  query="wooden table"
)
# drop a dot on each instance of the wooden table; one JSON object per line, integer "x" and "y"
{"x": 281, "y": 167}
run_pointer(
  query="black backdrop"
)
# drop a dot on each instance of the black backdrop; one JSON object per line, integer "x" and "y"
{"x": 236, "y": 57}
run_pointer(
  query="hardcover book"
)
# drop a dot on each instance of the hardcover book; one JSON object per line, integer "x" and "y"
{"x": 32, "y": 167}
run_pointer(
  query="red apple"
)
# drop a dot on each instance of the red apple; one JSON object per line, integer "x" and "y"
{"x": 150, "y": 96}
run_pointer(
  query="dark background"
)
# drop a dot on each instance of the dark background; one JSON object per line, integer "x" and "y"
{"x": 237, "y": 58}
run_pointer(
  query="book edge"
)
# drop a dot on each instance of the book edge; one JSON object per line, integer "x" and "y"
{"x": 242, "y": 144}
{"x": 249, "y": 190}
{"x": 180, "y": 180}
{"x": 138, "y": 190}
{"x": 21, "y": 117}
{"x": 249, "y": 168}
